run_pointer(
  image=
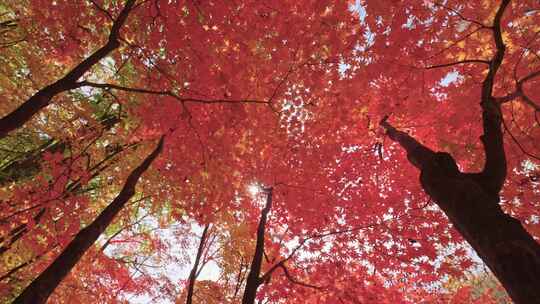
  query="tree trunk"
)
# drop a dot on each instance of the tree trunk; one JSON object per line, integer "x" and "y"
{"x": 193, "y": 273}
{"x": 18, "y": 232}
{"x": 40, "y": 289}
{"x": 253, "y": 280}
{"x": 43, "y": 97}
{"x": 471, "y": 200}
{"x": 499, "y": 239}
{"x": 471, "y": 203}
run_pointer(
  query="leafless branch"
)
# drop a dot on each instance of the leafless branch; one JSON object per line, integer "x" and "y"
{"x": 295, "y": 281}
{"x": 458, "y": 62}
{"x": 167, "y": 93}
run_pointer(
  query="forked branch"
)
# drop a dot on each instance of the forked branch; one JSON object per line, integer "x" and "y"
{"x": 43, "y": 97}
{"x": 494, "y": 172}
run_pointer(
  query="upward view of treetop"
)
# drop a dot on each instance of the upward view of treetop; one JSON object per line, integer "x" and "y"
{"x": 158, "y": 151}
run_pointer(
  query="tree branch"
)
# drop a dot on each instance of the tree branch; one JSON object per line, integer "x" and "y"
{"x": 295, "y": 281}
{"x": 165, "y": 93}
{"x": 43, "y": 97}
{"x": 519, "y": 92}
{"x": 518, "y": 144}
{"x": 282, "y": 262}
{"x": 41, "y": 287}
{"x": 419, "y": 155}
{"x": 494, "y": 172}
{"x": 458, "y": 62}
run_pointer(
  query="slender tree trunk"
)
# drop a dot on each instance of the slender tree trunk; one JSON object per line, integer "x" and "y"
{"x": 194, "y": 270}
{"x": 43, "y": 97}
{"x": 239, "y": 278}
{"x": 18, "y": 232}
{"x": 40, "y": 289}
{"x": 253, "y": 279}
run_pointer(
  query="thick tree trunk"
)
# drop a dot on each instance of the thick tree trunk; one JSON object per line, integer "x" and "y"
{"x": 40, "y": 289}
{"x": 194, "y": 270}
{"x": 43, "y": 97}
{"x": 253, "y": 280}
{"x": 499, "y": 239}
{"x": 471, "y": 202}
